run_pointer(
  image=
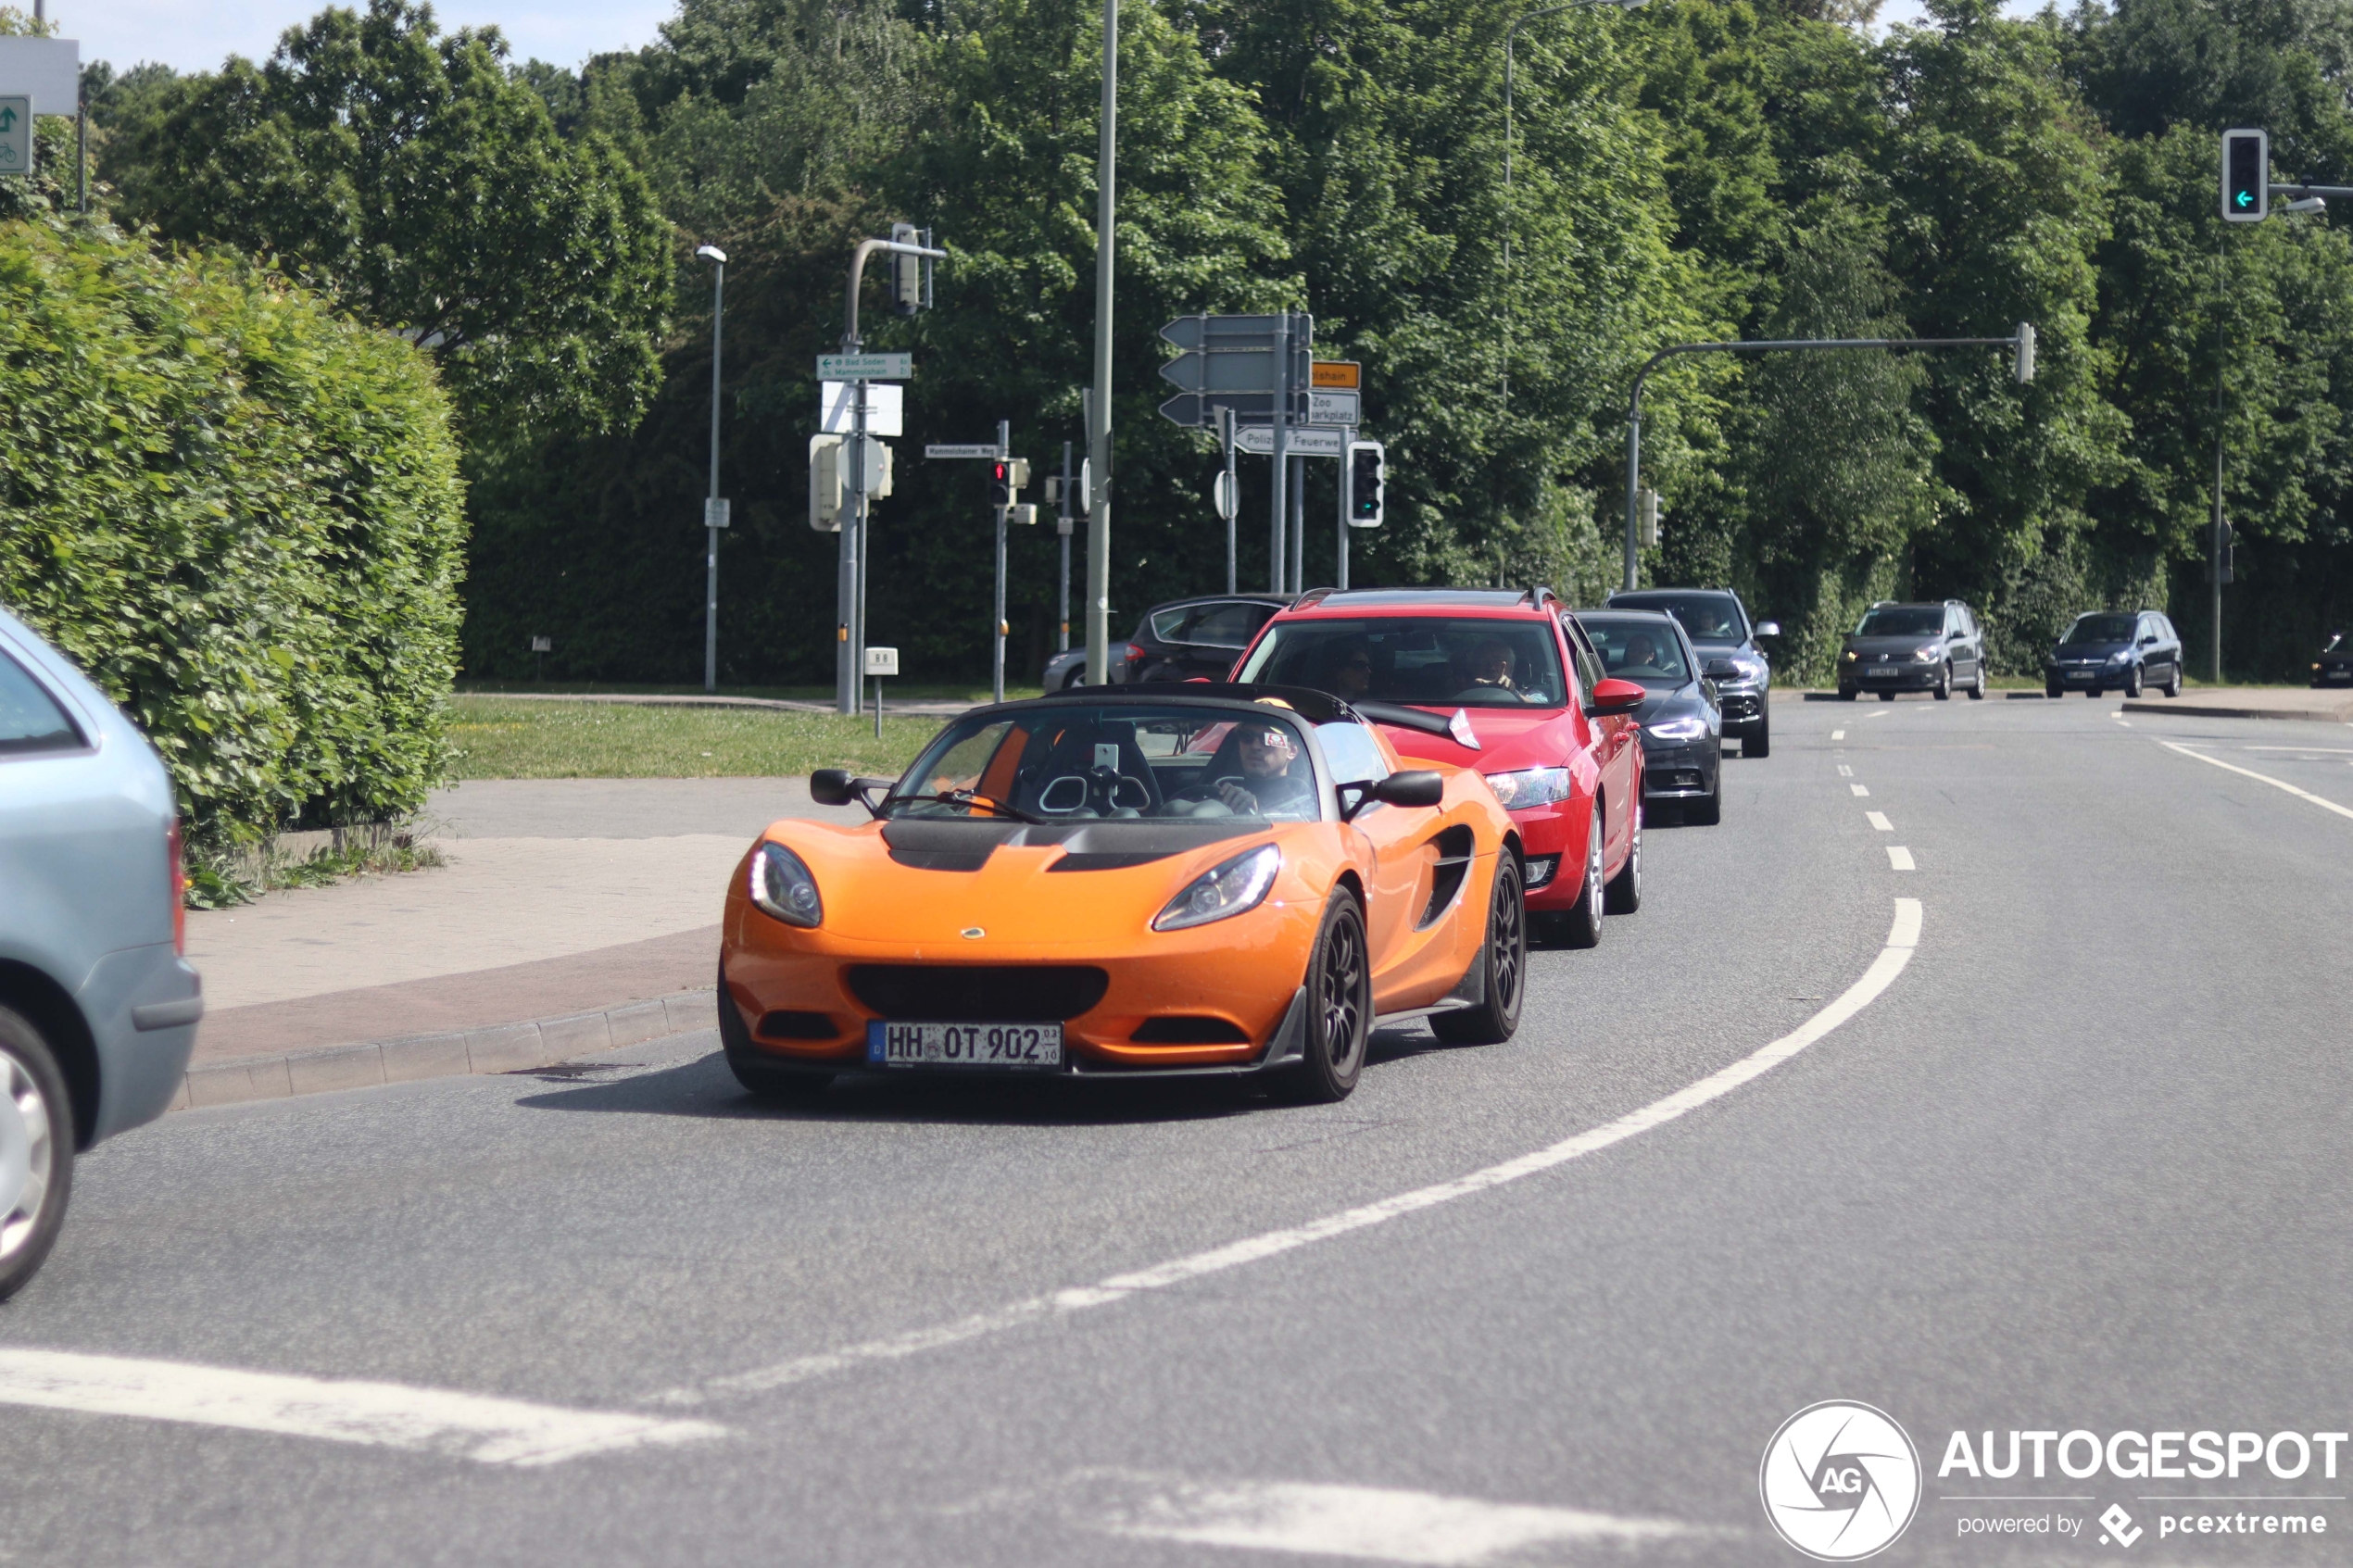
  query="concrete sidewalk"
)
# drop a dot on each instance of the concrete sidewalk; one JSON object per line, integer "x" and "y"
{"x": 573, "y": 914}
{"x": 2252, "y": 702}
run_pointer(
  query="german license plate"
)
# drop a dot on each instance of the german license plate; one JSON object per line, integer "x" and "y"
{"x": 964, "y": 1045}
{"x": 1880, "y": 674}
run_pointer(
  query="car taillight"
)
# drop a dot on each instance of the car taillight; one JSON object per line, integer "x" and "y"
{"x": 1135, "y": 652}
{"x": 178, "y": 890}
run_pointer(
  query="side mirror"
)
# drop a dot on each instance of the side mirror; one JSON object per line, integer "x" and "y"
{"x": 2148, "y": 640}
{"x": 1614, "y": 696}
{"x": 1418, "y": 786}
{"x": 1956, "y": 636}
{"x": 835, "y": 786}
{"x": 1767, "y": 627}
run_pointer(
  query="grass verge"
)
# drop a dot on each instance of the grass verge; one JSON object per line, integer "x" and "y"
{"x": 493, "y": 737}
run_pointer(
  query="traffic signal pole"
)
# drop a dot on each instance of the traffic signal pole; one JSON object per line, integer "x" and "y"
{"x": 2021, "y": 342}
{"x": 1062, "y": 527}
{"x": 996, "y": 624}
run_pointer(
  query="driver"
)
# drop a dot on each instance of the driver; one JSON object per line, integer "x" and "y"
{"x": 1491, "y": 664}
{"x": 1642, "y": 652}
{"x": 1352, "y": 671}
{"x": 1276, "y": 778}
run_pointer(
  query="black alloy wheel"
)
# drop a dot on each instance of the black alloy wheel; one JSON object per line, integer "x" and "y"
{"x": 2132, "y": 682}
{"x": 767, "y": 1080}
{"x": 36, "y": 1150}
{"x": 1339, "y": 1006}
{"x": 1758, "y": 742}
{"x": 1504, "y": 957}
{"x": 1944, "y": 684}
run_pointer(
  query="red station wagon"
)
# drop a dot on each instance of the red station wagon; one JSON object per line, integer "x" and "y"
{"x": 1501, "y": 681}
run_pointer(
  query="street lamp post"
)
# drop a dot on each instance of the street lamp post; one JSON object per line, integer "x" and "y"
{"x": 1099, "y": 406}
{"x": 718, "y": 260}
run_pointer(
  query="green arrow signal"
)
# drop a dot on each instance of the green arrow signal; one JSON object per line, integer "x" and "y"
{"x": 2245, "y": 198}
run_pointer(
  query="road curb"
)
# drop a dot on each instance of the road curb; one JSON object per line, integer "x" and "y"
{"x": 502, "y": 1047}
{"x": 2223, "y": 707}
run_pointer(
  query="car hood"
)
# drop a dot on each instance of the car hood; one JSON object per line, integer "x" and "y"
{"x": 1669, "y": 702}
{"x": 1509, "y": 739}
{"x": 2089, "y": 650}
{"x": 1872, "y": 645}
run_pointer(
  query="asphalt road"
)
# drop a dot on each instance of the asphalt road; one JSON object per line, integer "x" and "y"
{"x": 2081, "y": 1163}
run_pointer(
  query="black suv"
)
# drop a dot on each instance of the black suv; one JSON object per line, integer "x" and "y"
{"x": 2115, "y": 650}
{"x": 1725, "y": 640}
{"x": 1177, "y": 641}
{"x": 1914, "y": 647}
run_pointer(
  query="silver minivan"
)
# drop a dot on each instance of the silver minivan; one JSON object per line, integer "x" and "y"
{"x": 98, "y": 1006}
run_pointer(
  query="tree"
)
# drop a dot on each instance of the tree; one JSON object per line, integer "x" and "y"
{"x": 408, "y": 174}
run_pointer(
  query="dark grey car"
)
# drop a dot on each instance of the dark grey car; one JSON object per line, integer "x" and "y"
{"x": 1183, "y": 640}
{"x": 1681, "y": 719}
{"x": 1936, "y": 649}
{"x": 99, "y": 1008}
{"x": 1717, "y": 624}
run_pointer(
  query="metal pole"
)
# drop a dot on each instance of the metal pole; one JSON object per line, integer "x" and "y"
{"x": 711, "y": 557}
{"x": 2214, "y": 551}
{"x": 1099, "y": 407}
{"x": 81, "y": 149}
{"x": 1347, "y": 489}
{"x": 1633, "y": 483}
{"x": 1062, "y": 527}
{"x": 1299, "y": 524}
{"x": 1278, "y": 554}
{"x": 997, "y": 624}
{"x": 1233, "y": 491}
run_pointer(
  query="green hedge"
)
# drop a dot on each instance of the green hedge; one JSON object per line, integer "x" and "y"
{"x": 241, "y": 513}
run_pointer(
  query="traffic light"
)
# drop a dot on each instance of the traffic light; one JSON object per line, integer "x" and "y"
{"x": 2225, "y": 549}
{"x": 910, "y": 275}
{"x": 2247, "y": 176}
{"x": 824, "y": 483}
{"x": 2024, "y": 369}
{"x": 1367, "y": 475}
{"x": 1006, "y": 478}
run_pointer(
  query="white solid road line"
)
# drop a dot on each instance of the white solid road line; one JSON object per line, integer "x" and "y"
{"x": 387, "y": 1415}
{"x": 2260, "y": 778}
{"x": 1380, "y": 1524}
{"x": 1899, "y": 858}
{"x": 1860, "y": 789}
{"x": 1878, "y": 820}
{"x": 1903, "y": 936}
{"x": 1881, "y": 713}
{"x": 2321, "y": 750}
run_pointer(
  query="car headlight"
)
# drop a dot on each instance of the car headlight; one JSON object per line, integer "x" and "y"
{"x": 1930, "y": 654}
{"x": 2122, "y": 656}
{"x": 782, "y": 887}
{"x": 1530, "y": 786}
{"x": 1850, "y": 656}
{"x": 1241, "y": 884}
{"x": 1687, "y": 728}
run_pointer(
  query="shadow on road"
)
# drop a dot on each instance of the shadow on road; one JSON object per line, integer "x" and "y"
{"x": 705, "y": 1089}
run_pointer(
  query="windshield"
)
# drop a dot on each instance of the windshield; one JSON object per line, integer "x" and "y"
{"x": 1635, "y": 647}
{"x": 1904, "y": 620}
{"x": 1709, "y": 617}
{"x": 1436, "y": 661}
{"x": 2101, "y": 629}
{"x": 1129, "y": 762}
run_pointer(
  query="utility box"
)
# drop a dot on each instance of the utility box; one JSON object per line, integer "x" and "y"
{"x": 882, "y": 661}
{"x": 824, "y": 483}
{"x": 1646, "y": 518}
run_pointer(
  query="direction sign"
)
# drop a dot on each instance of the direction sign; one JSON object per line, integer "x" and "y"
{"x": 16, "y": 135}
{"x": 838, "y": 409}
{"x": 1334, "y": 408}
{"x": 1339, "y": 375}
{"x": 988, "y": 450}
{"x": 1305, "y": 441}
{"x": 865, "y": 367}
{"x": 48, "y": 71}
{"x": 1228, "y": 362}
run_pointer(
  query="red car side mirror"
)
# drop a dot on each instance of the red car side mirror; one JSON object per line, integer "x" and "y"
{"x": 1614, "y": 696}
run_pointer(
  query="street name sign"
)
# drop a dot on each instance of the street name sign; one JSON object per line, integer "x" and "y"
{"x": 1305, "y": 441}
{"x": 838, "y": 407}
{"x": 865, "y": 367}
{"x": 988, "y": 451}
{"x": 16, "y": 135}
{"x": 1334, "y": 408}
{"x": 714, "y": 511}
{"x": 1337, "y": 375}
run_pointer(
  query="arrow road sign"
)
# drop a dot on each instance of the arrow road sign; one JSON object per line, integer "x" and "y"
{"x": 1305, "y": 441}
{"x": 1228, "y": 362}
{"x": 16, "y": 135}
{"x": 865, "y": 367}
{"x": 990, "y": 451}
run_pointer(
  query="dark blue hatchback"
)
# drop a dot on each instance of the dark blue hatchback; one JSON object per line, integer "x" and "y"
{"x": 2124, "y": 651}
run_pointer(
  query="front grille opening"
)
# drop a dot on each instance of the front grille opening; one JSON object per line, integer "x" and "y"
{"x": 1189, "y": 1032}
{"x": 799, "y": 1026}
{"x": 978, "y": 993}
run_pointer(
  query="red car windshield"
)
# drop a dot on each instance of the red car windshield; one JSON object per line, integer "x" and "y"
{"x": 1432, "y": 662}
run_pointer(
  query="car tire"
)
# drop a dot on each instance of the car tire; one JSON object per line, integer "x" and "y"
{"x": 1708, "y": 809}
{"x": 36, "y": 1150}
{"x": 1076, "y": 679}
{"x": 1623, "y": 893}
{"x": 2172, "y": 687}
{"x": 2133, "y": 686}
{"x": 1582, "y": 926}
{"x": 2093, "y": 694}
{"x": 1339, "y": 1006}
{"x": 1943, "y": 691}
{"x": 1504, "y": 957}
{"x": 769, "y": 1080}
{"x": 1977, "y": 687}
{"x": 2053, "y": 689}
{"x": 1758, "y": 742}
{"x": 1846, "y": 694}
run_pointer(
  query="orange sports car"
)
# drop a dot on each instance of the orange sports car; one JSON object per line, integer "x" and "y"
{"x": 1128, "y": 881}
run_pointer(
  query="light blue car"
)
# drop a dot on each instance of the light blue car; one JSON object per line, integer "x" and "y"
{"x": 99, "y": 1008}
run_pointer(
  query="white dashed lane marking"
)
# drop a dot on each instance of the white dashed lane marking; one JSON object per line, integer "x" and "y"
{"x": 1837, "y": 734}
{"x": 1845, "y": 771}
{"x": 1899, "y": 858}
{"x": 1878, "y": 820}
{"x": 1860, "y": 789}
